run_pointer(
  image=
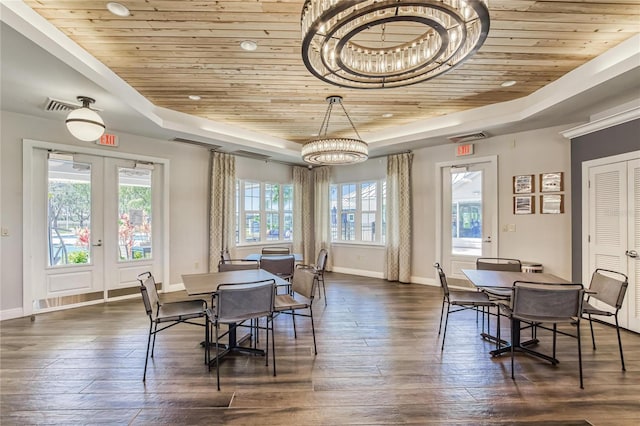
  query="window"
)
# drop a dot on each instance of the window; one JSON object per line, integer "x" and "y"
{"x": 134, "y": 213}
{"x": 357, "y": 211}
{"x": 264, "y": 212}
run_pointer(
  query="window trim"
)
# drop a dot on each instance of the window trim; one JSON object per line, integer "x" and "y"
{"x": 380, "y": 210}
{"x": 240, "y": 213}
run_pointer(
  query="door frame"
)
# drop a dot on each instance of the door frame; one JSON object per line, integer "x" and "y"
{"x": 28, "y": 146}
{"x": 493, "y": 168}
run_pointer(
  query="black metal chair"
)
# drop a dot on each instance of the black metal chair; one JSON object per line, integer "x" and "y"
{"x": 608, "y": 287}
{"x": 318, "y": 269}
{"x": 539, "y": 303}
{"x": 462, "y": 299}
{"x": 301, "y": 298}
{"x": 168, "y": 314}
{"x": 282, "y": 266}
{"x": 236, "y": 303}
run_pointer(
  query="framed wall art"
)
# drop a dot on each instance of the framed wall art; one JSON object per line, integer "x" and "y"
{"x": 551, "y": 182}
{"x": 523, "y": 184}
{"x": 552, "y": 203}
{"x": 524, "y": 204}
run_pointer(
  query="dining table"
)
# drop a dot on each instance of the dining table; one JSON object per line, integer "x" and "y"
{"x": 256, "y": 256}
{"x": 206, "y": 284}
{"x": 488, "y": 279}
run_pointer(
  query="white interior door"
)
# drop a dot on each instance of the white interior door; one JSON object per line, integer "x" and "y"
{"x": 613, "y": 237}
{"x": 469, "y": 215}
{"x": 97, "y": 223}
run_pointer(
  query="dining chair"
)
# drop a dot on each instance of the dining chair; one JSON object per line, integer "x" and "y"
{"x": 168, "y": 314}
{"x": 319, "y": 269}
{"x": 461, "y": 299}
{"x": 238, "y": 265}
{"x": 498, "y": 264}
{"x": 282, "y": 266}
{"x": 236, "y": 303}
{"x": 608, "y": 287}
{"x": 277, "y": 251}
{"x": 546, "y": 303}
{"x": 300, "y": 299}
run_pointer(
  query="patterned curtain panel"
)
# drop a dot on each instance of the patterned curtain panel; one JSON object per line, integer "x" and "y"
{"x": 399, "y": 216}
{"x": 303, "y": 214}
{"x": 222, "y": 211}
{"x": 321, "y": 207}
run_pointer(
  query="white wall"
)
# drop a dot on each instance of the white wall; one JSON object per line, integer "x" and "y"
{"x": 540, "y": 238}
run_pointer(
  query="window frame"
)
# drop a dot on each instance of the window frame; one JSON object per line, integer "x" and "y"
{"x": 263, "y": 213}
{"x": 380, "y": 209}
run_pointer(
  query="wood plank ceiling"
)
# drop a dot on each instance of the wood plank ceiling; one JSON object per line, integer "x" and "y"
{"x": 168, "y": 50}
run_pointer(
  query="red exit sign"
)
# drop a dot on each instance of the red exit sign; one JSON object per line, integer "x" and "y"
{"x": 108, "y": 140}
{"x": 462, "y": 150}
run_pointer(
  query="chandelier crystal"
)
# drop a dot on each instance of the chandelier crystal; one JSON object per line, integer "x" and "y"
{"x": 334, "y": 151}
{"x": 389, "y": 43}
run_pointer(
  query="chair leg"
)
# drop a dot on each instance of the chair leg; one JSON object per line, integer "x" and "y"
{"x": 441, "y": 314}
{"x": 593, "y": 337}
{"x": 446, "y": 320}
{"x": 579, "y": 354}
{"x": 555, "y": 328}
{"x": 146, "y": 358}
{"x": 324, "y": 289}
{"x": 620, "y": 343}
{"x": 513, "y": 335}
{"x": 498, "y": 327}
{"x": 266, "y": 352}
{"x": 313, "y": 331}
{"x": 217, "y": 356}
{"x": 293, "y": 318}
{"x": 273, "y": 343}
{"x": 153, "y": 345}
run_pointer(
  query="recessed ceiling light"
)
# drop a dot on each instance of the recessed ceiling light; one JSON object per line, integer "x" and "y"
{"x": 508, "y": 83}
{"x": 387, "y": 115}
{"x": 249, "y": 45}
{"x": 118, "y": 9}
{"x": 194, "y": 97}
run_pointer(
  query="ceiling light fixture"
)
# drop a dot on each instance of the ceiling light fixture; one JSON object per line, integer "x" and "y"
{"x": 389, "y": 43}
{"x": 195, "y": 97}
{"x": 387, "y": 115}
{"x": 334, "y": 151}
{"x": 84, "y": 123}
{"x": 118, "y": 9}
{"x": 249, "y": 45}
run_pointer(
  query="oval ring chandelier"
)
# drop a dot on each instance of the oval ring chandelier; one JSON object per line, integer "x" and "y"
{"x": 389, "y": 43}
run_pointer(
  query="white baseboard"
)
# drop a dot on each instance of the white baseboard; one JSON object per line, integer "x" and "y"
{"x": 425, "y": 281}
{"x": 11, "y": 314}
{"x": 359, "y": 272}
{"x": 173, "y": 287}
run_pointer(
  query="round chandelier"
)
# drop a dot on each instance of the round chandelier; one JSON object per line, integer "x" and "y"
{"x": 377, "y": 44}
{"x": 84, "y": 123}
{"x": 335, "y": 151}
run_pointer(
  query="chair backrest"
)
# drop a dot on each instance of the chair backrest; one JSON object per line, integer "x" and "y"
{"x": 149, "y": 292}
{"x": 547, "y": 300}
{"x": 239, "y": 302}
{"x": 275, "y": 250}
{"x": 321, "y": 264}
{"x": 278, "y": 265}
{"x": 443, "y": 279}
{"x": 498, "y": 264}
{"x": 609, "y": 286}
{"x": 304, "y": 283}
{"x": 237, "y": 265}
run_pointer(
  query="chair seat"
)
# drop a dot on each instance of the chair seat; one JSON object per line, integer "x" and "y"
{"x": 587, "y": 308}
{"x": 544, "y": 319}
{"x": 286, "y": 302}
{"x": 502, "y": 293}
{"x": 176, "y": 311}
{"x": 464, "y": 297}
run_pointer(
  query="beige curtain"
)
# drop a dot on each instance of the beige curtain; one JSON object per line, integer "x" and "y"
{"x": 222, "y": 211}
{"x": 322, "y": 225}
{"x": 399, "y": 217}
{"x": 303, "y": 213}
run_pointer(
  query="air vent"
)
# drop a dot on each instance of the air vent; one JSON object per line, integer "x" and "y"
{"x": 199, "y": 143}
{"x": 56, "y": 105}
{"x": 468, "y": 137}
{"x": 250, "y": 154}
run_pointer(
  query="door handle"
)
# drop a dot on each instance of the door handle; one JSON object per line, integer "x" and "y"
{"x": 98, "y": 244}
{"x": 631, "y": 253}
{"x": 487, "y": 240}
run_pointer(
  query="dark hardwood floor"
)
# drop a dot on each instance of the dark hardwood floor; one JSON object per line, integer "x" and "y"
{"x": 379, "y": 362}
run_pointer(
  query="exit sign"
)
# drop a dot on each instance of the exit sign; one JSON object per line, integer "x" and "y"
{"x": 108, "y": 140}
{"x": 462, "y": 150}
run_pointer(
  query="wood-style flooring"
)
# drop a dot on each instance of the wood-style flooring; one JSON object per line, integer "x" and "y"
{"x": 379, "y": 362}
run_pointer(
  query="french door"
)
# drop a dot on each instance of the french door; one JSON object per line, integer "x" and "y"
{"x": 468, "y": 219}
{"x": 611, "y": 209}
{"x": 95, "y": 223}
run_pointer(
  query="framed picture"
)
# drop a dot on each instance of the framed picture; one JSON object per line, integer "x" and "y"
{"x": 523, "y": 184}
{"x": 551, "y": 182}
{"x": 552, "y": 204}
{"x": 524, "y": 204}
